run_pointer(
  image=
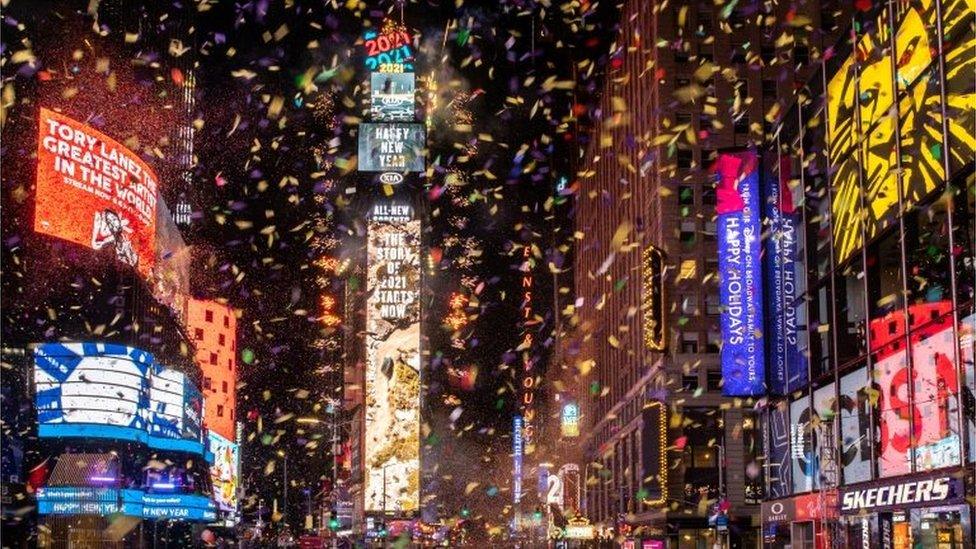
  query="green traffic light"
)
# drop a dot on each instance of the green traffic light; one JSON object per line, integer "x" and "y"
{"x": 465, "y": 512}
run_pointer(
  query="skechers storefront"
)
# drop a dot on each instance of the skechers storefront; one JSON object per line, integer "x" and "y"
{"x": 929, "y": 511}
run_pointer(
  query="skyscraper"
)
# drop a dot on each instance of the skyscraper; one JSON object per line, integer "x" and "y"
{"x": 682, "y": 84}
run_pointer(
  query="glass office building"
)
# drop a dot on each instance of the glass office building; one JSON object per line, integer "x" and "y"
{"x": 869, "y": 430}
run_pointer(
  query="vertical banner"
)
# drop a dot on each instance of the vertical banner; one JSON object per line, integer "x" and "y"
{"x": 785, "y": 283}
{"x": 517, "y": 451}
{"x": 393, "y": 360}
{"x": 740, "y": 280}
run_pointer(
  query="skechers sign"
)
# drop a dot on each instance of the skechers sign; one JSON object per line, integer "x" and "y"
{"x": 930, "y": 490}
{"x": 740, "y": 286}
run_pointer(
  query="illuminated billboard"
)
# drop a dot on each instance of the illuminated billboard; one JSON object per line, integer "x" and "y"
{"x": 392, "y": 456}
{"x": 785, "y": 281}
{"x": 93, "y": 191}
{"x": 103, "y": 390}
{"x": 740, "y": 279}
{"x": 391, "y": 97}
{"x": 862, "y": 132}
{"x": 224, "y": 471}
{"x": 391, "y": 147}
{"x": 389, "y": 49}
{"x": 74, "y": 500}
{"x": 569, "y": 420}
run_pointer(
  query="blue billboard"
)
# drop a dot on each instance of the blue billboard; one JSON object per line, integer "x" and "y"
{"x": 75, "y": 500}
{"x": 740, "y": 277}
{"x": 517, "y": 451}
{"x": 785, "y": 270}
{"x": 104, "y": 390}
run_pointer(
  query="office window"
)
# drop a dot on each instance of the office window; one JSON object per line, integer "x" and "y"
{"x": 711, "y": 231}
{"x": 688, "y": 270}
{"x": 686, "y": 195}
{"x": 741, "y": 124}
{"x": 685, "y": 158}
{"x": 220, "y": 410}
{"x": 213, "y": 358}
{"x": 226, "y": 321}
{"x": 682, "y": 82}
{"x": 705, "y": 24}
{"x": 680, "y": 57}
{"x": 768, "y": 54}
{"x": 714, "y": 343}
{"x": 207, "y": 383}
{"x": 689, "y": 305}
{"x": 687, "y": 234}
{"x": 713, "y": 380}
{"x": 221, "y": 339}
{"x": 689, "y": 342}
{"x": 223, "y": 387}
{"x": 198, "y": 334}
{"x": 713, "y": 305}
{"x": 742, "y": 88}
{"x": 232, "y": 414}
{"x": 769, "y": 89}
{"x": 230, "y": 364}
{"x": 208, "y": 316}
{"x": 708, "y": 156}
{"x": 682, "y": 118}
{"x": 738, "y": 53}
{"x": 801, "y": 54}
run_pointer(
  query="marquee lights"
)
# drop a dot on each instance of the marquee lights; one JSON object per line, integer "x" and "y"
{"x": 655, "y": 317}
{"x": 457, "y": 318}
{"x": 655, "y": 412}
{"x": 329, "y": 317}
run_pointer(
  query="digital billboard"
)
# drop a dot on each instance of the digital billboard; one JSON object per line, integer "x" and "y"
{"x": 740, "y": 279}
{"x": 103, "y": 390}
{"x": 389, "y": 49}
{"x": 391, "y": 147}
{"x": 392, "y": 456}
{"x": 862, "y": 128}
{"x": 73, "y": 500}
{"x": 569, "y": 420}
{"x": 224, "y": 472}
{"x": 785, "y": 281}
{"x": 518, "y": 450}
{"x": 803, "y": 450}
{"x": 855, "y": 426}
{"x": 391, "y": 97}
{"x": 918, "y": 409}
{"x": 93, "y": 191}
{"x": 170, "y": 279}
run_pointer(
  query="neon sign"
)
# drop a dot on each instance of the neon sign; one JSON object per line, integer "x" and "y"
{"x": 389, "y": 49}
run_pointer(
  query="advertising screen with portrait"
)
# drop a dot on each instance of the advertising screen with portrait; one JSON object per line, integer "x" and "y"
{"x": 93, "y": 191}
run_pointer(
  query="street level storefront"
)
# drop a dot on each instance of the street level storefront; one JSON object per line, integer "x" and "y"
{"x": 908, "y": 512}
{"x": 799, "y": 522}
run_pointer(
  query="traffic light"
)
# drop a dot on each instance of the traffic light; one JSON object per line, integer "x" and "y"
{"x": 333, "y": 520}
{"x": 465, "y": 512}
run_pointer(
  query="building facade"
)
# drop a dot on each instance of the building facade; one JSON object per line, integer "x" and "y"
{"x": 682, "y": 84}
{"x": 868, "y": 429}
{"x": 213, "y": 327}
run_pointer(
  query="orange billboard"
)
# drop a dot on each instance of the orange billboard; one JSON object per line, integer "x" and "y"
{"x": 93, "y": 191}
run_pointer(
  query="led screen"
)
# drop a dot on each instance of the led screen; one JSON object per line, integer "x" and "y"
{"x": 72, "y": 500}
{"x": 224, "y": 471}
{"x": 392, "y": 445}
{"x": 389, "y": 49}
{"x": 391, "y": 147}
{"x": 855, "y": 426}
{"x": 803, "y": 451}
{"x": 93, "y": 191}
{"x": 102, "y": 390}
{"x": 778, "y": 447}
{"x": 391, "y": 97}
{"x": 740, "y": 279}
{"x": 785, "y": 281}
{"x": 569, "y": 420}
{"x": 861, "y": 134}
